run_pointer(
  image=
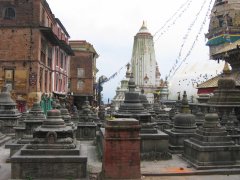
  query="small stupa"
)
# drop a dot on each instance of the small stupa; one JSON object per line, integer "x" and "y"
{"x": 225, "y": 100}
{"x": 132, "y": 106}
{"x": 86, "y": 114}
{"x": 75, "y": 115}
{"x": 9, "y": 114}
{"x": 211, "y": 147}
{"x": 34, "y": 118}
{"x": 24, "y": 134}
{"x": 53, "y": 144}
{"x": 86, "y": 127}
{"x": 184, "y": 127}
{"x": 120, "y": 92}
{"x": 144, "y": 101}
{"x": 66, "y": 116}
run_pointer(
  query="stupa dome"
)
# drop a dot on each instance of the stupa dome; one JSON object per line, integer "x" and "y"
{"x": 54, "y": 119}
{"x": 211, "y": 120}
{"x": 184, "y": 121}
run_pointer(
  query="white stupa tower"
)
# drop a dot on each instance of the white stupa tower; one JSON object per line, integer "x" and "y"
{"x": 144, "y": 65}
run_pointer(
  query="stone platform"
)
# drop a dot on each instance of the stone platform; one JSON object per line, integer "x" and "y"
{"x": 55, "y": 163}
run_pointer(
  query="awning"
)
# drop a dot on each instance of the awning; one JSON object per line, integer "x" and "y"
{"x": 224, "y": 38}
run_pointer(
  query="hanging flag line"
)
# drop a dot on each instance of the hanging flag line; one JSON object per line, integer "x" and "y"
{"x": 186, "y": 36}
{"x": 113, "y": 75}
{"x": 189, "y": 29}
{"x": 174, "y": 20}
{"x": 174, "y": 69}
{"x": 178, "y": 10}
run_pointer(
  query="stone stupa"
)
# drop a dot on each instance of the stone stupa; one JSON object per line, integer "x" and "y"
{"x": 212, "y": 146}
{"x": 132, "y": 106}
{"x": 9, "y": 114}
{"x": 184, "y": 127}
{"x": 24, "y": 134}
{"x": 53, "y": 144}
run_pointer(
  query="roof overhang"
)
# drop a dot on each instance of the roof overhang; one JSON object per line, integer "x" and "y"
{"x": 49, "y": 35}
{"x": 63, "y": 45}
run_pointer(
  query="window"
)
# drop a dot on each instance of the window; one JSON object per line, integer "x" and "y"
{"x": 80, "y": 72}
{"x": 221, "y": 21}
{"x": 61, "y": 60}
{"x": 43, "y": 51}
{"x": 80, "y": 85}
{"x": 50, "y": 82}
{"x": 57, "y": 79}
{"x": 57, "y": 57}
{"x": 9, "y": 13}
{"x": 40, "y": 78}
{"x": 50, "y": 56}
{"x": 8, "y": 74}
{"x": 229, "y": 20}
{"x": 46, "y": 81}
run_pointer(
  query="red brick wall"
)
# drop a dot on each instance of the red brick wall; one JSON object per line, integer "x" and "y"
{"x": 82, "y": 60}
{"x": 121, "y": 154}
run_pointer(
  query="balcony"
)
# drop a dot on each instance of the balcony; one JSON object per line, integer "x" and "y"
{"x": 49, "y": 35}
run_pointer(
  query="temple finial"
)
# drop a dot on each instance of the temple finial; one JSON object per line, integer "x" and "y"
{"x": 226, "y": 69}
{"x": 144, "y": 24}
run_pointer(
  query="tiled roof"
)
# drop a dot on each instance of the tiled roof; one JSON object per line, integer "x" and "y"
{"x": 213, "y": 82}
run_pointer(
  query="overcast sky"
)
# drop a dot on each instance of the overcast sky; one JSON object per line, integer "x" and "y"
{"x": 110, "y": 26}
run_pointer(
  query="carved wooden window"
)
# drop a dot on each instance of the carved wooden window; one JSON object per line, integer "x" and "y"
{"x": 9, "y": 13}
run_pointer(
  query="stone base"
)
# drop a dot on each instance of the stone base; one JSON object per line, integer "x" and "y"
{"x": 211, "y": 157}
{"x": 14, "y": 147}
{"x": 86, "y": 131}
{"x": 155, "y": 145}
{"x": 19, "y": 132}
{"x": 4, "y": 139}
{"x": 164, "y": 125}
{"x": 176, "y": 141}
{"x": 27, "y": 163}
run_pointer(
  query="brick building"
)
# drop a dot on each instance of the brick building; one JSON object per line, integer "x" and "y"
{"x": 83, "y": 72}
{"x": 34, "y": 49}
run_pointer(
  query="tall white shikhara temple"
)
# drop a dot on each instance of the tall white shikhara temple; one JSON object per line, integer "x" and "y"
{"x": 144, "y": 65}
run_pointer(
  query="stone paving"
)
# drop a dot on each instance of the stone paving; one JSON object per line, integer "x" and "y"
{"x": 5, "y": 168}
{"x": 164, "y": 170}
